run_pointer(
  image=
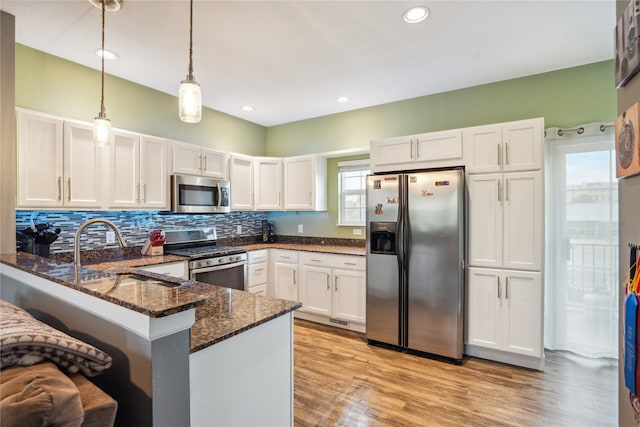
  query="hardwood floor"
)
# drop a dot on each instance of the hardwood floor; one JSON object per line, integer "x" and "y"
{"x": 340, "y": 380}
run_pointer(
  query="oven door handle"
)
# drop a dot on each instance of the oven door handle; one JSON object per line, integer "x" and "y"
{"x": 216, "y": 268}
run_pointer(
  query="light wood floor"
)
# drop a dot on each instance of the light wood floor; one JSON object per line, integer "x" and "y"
{"x": 340, "y": 380}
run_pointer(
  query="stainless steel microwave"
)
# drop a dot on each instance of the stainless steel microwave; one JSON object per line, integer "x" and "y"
{"x": 198, "y": 194}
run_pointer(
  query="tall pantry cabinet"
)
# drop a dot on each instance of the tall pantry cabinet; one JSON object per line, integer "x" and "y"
{"x": 505, "y": 242}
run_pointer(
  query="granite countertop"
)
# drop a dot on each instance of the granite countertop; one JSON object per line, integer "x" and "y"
{"x": 331, "y": 249}
{"x": 220, "y": 312}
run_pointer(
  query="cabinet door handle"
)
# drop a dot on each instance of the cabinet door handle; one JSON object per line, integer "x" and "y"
{"x": 137, "y": 192}
{"x": 506, "y": 192}
{"x": 315, "y": 260}
{"x": 506, "y": 153}
{"x": 506, "y": 288}
{"x": 310, "y": 196}
{"x": 59, "y": 188}
{"x": 204, "y": 158}
{"x": 350, "y": 263}
{"x": 199, "y": 163}
{"x": 294, "y": 277}
{"x": 279, "y": 195}
{"x": 69, "y": 185}
{"x": 144, "y": 193}
{"x": 258, "y": 269}
{"x": 336, "y": 281}
{"x": 498, "y": 282}
{"x": 499, "y": 156}
{"x": 499, "y": 198}
{"x": 284, "y": 257}
{"x": 328, "y": 285}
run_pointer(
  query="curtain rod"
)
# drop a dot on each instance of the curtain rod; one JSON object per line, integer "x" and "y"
{"x": 580, "y": 130}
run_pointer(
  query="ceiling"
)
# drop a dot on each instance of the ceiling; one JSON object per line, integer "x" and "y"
{"x": 292, "y": 59}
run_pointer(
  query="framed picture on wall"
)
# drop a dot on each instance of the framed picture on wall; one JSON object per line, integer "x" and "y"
{"x": 628, "y": 142}
{"x": 627, "y": 51}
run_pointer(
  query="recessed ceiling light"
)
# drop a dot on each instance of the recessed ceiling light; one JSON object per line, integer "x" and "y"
{"x": 416, "y": 14}
{"x": 247, "y": 108}
{"x": 343, "y": 99}
{"x": 108, "y": 54}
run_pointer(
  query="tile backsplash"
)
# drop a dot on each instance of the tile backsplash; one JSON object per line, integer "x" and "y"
{"x": 135, "y": 225}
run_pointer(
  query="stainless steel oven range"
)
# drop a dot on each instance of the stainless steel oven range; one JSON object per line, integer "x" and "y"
{"x": 208, "y": 262}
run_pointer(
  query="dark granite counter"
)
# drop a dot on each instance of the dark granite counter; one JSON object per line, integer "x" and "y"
{"x": 220, "y": 312}
{"x": 330, "y": 249}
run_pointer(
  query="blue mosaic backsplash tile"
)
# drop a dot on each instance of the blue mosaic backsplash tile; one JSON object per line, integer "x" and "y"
{"x": 135, "y": 225}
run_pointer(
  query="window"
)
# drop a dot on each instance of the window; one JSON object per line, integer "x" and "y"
{"x": 352, "y": 186}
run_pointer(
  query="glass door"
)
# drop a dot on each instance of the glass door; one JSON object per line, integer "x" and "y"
{"x": 581, "y": 312}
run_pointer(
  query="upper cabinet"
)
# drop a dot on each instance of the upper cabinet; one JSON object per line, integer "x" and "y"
{"x": 268, "y": 183}
{"x": 193, "y": 159}
{"x": 241, "y": 181}
{"x": 58, "y": 163}
{"x": 139, "y": 172}
{"x": 505, "y": 147}
{"x": 305, "y": 183}
{"x": 82, "y": 166}
{"x": 39, "y": 154}
{"x": 428, "y": 150}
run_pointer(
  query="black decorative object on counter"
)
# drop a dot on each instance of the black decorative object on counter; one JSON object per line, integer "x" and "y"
{"x": 36, "y": 239}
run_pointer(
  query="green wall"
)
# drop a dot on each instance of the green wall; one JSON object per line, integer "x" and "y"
{"x": 54, "y": 85}
{"x": 565, "y": 98}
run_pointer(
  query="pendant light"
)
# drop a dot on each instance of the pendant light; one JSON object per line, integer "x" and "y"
{"x": 189, "y": 96}
{"x": 101, "y": 124}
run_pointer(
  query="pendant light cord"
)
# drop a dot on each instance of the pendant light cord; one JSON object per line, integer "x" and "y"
{"x": 102, "y": 57}
{"x": 190, "y": 76}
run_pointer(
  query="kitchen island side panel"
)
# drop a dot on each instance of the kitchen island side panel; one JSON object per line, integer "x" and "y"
{"x": 246, "y": 380}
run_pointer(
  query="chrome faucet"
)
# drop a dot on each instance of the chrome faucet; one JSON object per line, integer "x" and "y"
{"x": 76, "y": 243}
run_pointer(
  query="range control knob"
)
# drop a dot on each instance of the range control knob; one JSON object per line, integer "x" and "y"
{"x": 220, "y": 260}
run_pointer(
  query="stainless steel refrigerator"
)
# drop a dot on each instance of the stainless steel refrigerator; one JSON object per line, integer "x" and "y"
{"x": 415, "y": 261}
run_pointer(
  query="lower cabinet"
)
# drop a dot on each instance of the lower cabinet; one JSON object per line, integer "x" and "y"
{"x": 334, "y": 287}
{"x": 174, "y": 269}
{"x": 284, "y": 273}
{"x": 504, "y": 313}
{"x": 257, "y": 272}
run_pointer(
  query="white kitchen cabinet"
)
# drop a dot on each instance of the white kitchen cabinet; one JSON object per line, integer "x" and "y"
{"x": 505, "y": 220}
{"x": 82, "y": 167}
{"x": 257, "y": 272}
{"x": 505, "y": 147}
{"x": 505, "y": 312}
{"x": 193, "y": 159}
{"x": 305, "y": 183}
{"x": 174, "y": 269}
{"x": 39, "y": 153}
{"x": 334, "y": 288}
{"x": 283, "y": 269}
{"x": 59, "y": 164}
{"x": 154, "y": 173}
{"x": 241, "y": 181}
{"x": 139, "y": 172}
{"x": 433, "y": 149}
{"x": 268, "y": 183}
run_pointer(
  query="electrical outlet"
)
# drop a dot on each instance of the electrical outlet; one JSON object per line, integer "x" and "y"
{"x": 239, "y": 229}
{"x": 357, "y": 232}
{"x": 110, "y": 236}
{"x": 300, "y": 228}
